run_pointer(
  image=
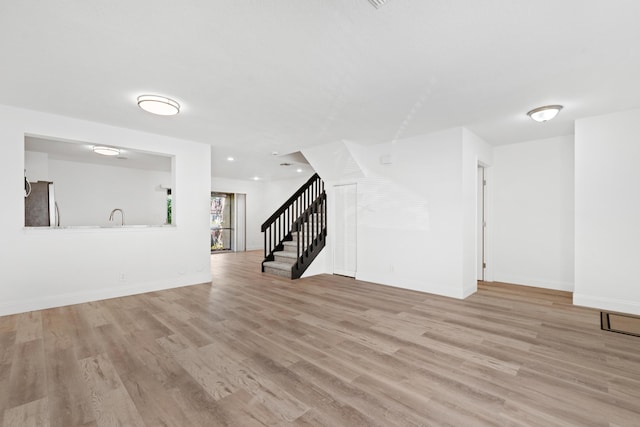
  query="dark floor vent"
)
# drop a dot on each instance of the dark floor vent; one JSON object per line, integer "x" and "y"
{"x": 620, "y": 323}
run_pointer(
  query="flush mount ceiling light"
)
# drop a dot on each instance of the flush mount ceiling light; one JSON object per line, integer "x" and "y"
{"x": 544, "y": 114}
{"x": 160, "y": 105}
{"x": 230, "y": 159}
{"x": 106, "y": 151}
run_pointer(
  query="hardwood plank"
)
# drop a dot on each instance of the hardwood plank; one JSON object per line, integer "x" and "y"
{"x": 8, "y": 323}
{"x": 263, "y": 388}
{"x": 28, "y": 379}
{"x": 329, "y": 410}
{"x": 200, "y": 407}
{"x": 69, "y": 396}
{"x": 213, "y": 375}
{"x": 32, "y": 414}
{"x": 29, "y": 326}
{"x": 111, "y": 401}
{"x": 244, "y": 411}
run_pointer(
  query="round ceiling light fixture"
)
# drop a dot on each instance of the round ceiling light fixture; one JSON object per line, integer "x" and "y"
{"x": 544, "y": 114}
{"x": 106, "y": 151}
{"x": 160, "y": 105}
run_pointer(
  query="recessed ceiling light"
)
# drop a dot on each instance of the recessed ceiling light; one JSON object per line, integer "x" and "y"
{"x": 255, "y": 178}
{"x": 230, "y": 159}
{"x": 274, "y": 153}
{"x": 106, "y": 151}
{"x": 298, "y": 170}
{"x": 544, "y": 114}
{"x": 160, "y": 105}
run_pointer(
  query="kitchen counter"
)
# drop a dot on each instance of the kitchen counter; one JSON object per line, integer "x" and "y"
{"x": 101, "y": 227}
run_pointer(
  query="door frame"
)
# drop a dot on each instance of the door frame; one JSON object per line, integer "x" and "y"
{"x": 484, "y": 233}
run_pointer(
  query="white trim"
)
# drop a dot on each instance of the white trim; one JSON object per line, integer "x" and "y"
{"x": 23, "y": 306}
{"x": 538, "y": 283}
{"x": 612, "y": 304}
{"x": 415, "y": 285}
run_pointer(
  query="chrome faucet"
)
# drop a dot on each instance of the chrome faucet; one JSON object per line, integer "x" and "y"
{"x": 114, "y": 211}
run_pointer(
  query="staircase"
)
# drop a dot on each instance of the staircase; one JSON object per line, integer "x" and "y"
{"x": 296, "y": 233}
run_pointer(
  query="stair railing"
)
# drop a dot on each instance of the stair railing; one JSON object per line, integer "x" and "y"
{"x": 278, "y": 227}
{"x": 311, "y": 233}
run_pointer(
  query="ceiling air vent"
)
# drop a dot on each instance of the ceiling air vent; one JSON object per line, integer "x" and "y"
{"x": 377, "y": 3}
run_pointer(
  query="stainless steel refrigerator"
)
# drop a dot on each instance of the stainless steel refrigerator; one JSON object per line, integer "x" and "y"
{"x": 40, "y": 208}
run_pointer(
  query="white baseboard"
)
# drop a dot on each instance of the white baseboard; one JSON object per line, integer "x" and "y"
{"x": 430, "y": 288}
{"x": 535, "y": 282}
{"x": 51, "y": 301}
{"x": 609, "y": 304}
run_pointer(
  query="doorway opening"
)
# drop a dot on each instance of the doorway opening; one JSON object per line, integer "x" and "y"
{"x": 222, "y": 222}
{"x": 228, "y": 222}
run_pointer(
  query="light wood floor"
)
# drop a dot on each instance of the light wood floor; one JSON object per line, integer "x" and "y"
{"x": 253, "y": 350}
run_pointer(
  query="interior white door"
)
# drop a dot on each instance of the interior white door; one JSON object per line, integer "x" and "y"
{"x": 343, "y": 232}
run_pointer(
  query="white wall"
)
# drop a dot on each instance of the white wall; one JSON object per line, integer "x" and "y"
{"x": 86, "y": 193}
{"x": 533, "y": 213}
{"x": 607, "y": 204}
{"x": 263, "y": 198}
{"x": 36, "y": 166}
{"x": 52, "y": 267}
{"x": 411, "y": 227}
{"x": 277, "y": 192}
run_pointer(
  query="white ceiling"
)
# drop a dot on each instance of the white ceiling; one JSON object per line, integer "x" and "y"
{"x": 258, "y": 76}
